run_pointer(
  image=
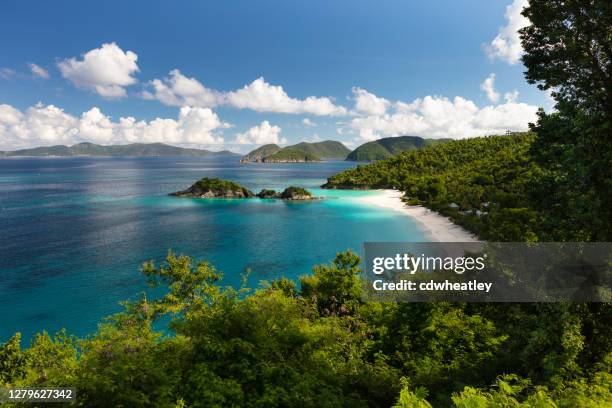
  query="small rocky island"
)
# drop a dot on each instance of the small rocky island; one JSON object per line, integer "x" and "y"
{"x": 217, "y": 188}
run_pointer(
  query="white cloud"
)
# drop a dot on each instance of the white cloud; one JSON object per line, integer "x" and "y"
{"x": 507, "y": 44}
{"x": 6, "y": 73}
{"x": 488, "y": 86}
{"x": 438, "y": 117}
{"x": 308, "y": 122}
{"x": 38, "y": 71}
{"x": 48, "y": 125}
{"x": 511, "y": 96}
{"x": 262, "y": 134}
{"x": 106, "y": 70}
{"x": 367, "y": 103}
{"x": 259, "y": 95}
{"x": 179, "y": 90}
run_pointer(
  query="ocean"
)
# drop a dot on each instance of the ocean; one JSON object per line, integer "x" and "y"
{"x": 74, "y": 232}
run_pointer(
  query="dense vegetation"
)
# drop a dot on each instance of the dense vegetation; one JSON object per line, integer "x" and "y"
{"x": 552, "y": 185}
{"x": 481, "y": 183}
{"x": 134, "y": 149}
{"x": 389, "y": 146}
{"x": 304, "y": 151}
{"x": 291, "y": 155}
{"x": 293, "y": 191}
{"x": 328, "y": 149}
{"x": 208, "y": 187}
{"x": 321, "y": 346}
{"x": 217, "y": 184}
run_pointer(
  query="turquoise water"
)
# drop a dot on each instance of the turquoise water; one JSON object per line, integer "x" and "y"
{"x": 74, "y": 231}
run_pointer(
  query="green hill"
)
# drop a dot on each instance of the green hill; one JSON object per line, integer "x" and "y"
{"x": 258, "y": 154}
{"x": 389, "y": 147}
{"x": 291, "y": 155}
{"x": 304, "y": 151}
{"x": 328, "y": 149}
{"x": 134, "y": 149}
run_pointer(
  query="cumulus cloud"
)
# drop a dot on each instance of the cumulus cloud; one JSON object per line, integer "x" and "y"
{"x": 179, "y": 90}
{"x": 308, "y": 122}
{"x": 106, "y": 70}
{"x": 439, "y": 117}
{"x": 262, "y": 134}
{"x": 259, "y": 95}
{"x": 507, "y": 44}
{"x": 38, "y": 71}
{"x": 367, "y": 103}
{"x": 48, "y": 125}
{"x": 488, "y": 86}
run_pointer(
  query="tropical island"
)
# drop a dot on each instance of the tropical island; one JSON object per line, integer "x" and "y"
{"x": 299, "y": 153}
{"x": 218, "y": 188}
{"x": 133, "y": 149}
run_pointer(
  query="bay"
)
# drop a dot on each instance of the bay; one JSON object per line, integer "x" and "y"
{"x": 75, "y": 231}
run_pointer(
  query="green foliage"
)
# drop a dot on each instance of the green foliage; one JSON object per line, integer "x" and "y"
{"x": 568, "y": 50}
{"x": 293, "y": 191}
{"x": 261, "y": 152}
{"x": 410, "y": 399}
{"x": 12, "y": 360}
{"x": 385, "y": 148}
{"x": 216, "y": 184}
{"x": 303, "y": 151}
{"x": 335, "y": 288}
{"x": 487, "y": 178}
{"x": 291, "y": 154}
{"x": 319, "y": 345}
{"x": 329, "y": 149}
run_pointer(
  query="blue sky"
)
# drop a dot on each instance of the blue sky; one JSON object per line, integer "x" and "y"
{"x": 243, "y": 71}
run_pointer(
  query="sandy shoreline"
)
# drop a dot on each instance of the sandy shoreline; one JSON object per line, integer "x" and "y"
{"x": 435, "y": 226}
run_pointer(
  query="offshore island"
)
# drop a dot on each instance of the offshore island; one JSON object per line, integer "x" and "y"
{"x": 218, "y": 188}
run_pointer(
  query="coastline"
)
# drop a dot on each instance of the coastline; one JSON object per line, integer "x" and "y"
{"x": 436, "y": 227}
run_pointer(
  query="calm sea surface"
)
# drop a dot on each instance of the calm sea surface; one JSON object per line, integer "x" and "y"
{"x": 75, "y": 231}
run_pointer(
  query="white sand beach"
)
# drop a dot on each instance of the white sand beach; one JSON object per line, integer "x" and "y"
{"x": 437, "y": 227}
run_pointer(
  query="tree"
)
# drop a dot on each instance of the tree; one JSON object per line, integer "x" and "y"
{"x": 568, "y": 50}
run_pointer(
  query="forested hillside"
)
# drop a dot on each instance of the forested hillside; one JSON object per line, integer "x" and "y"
{"x": 389, "y": 147}
{"x": 301, "y": 152}
{"x": 328, "y": 149}
{"x": 262, "y": 151}
{"x": 481, "y": 183}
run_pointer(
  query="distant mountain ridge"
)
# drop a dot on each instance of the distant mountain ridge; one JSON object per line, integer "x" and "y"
{"x": 134, "y": 149}
{"x": 389, "y": 147}
{"x": 301, "y": 152}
